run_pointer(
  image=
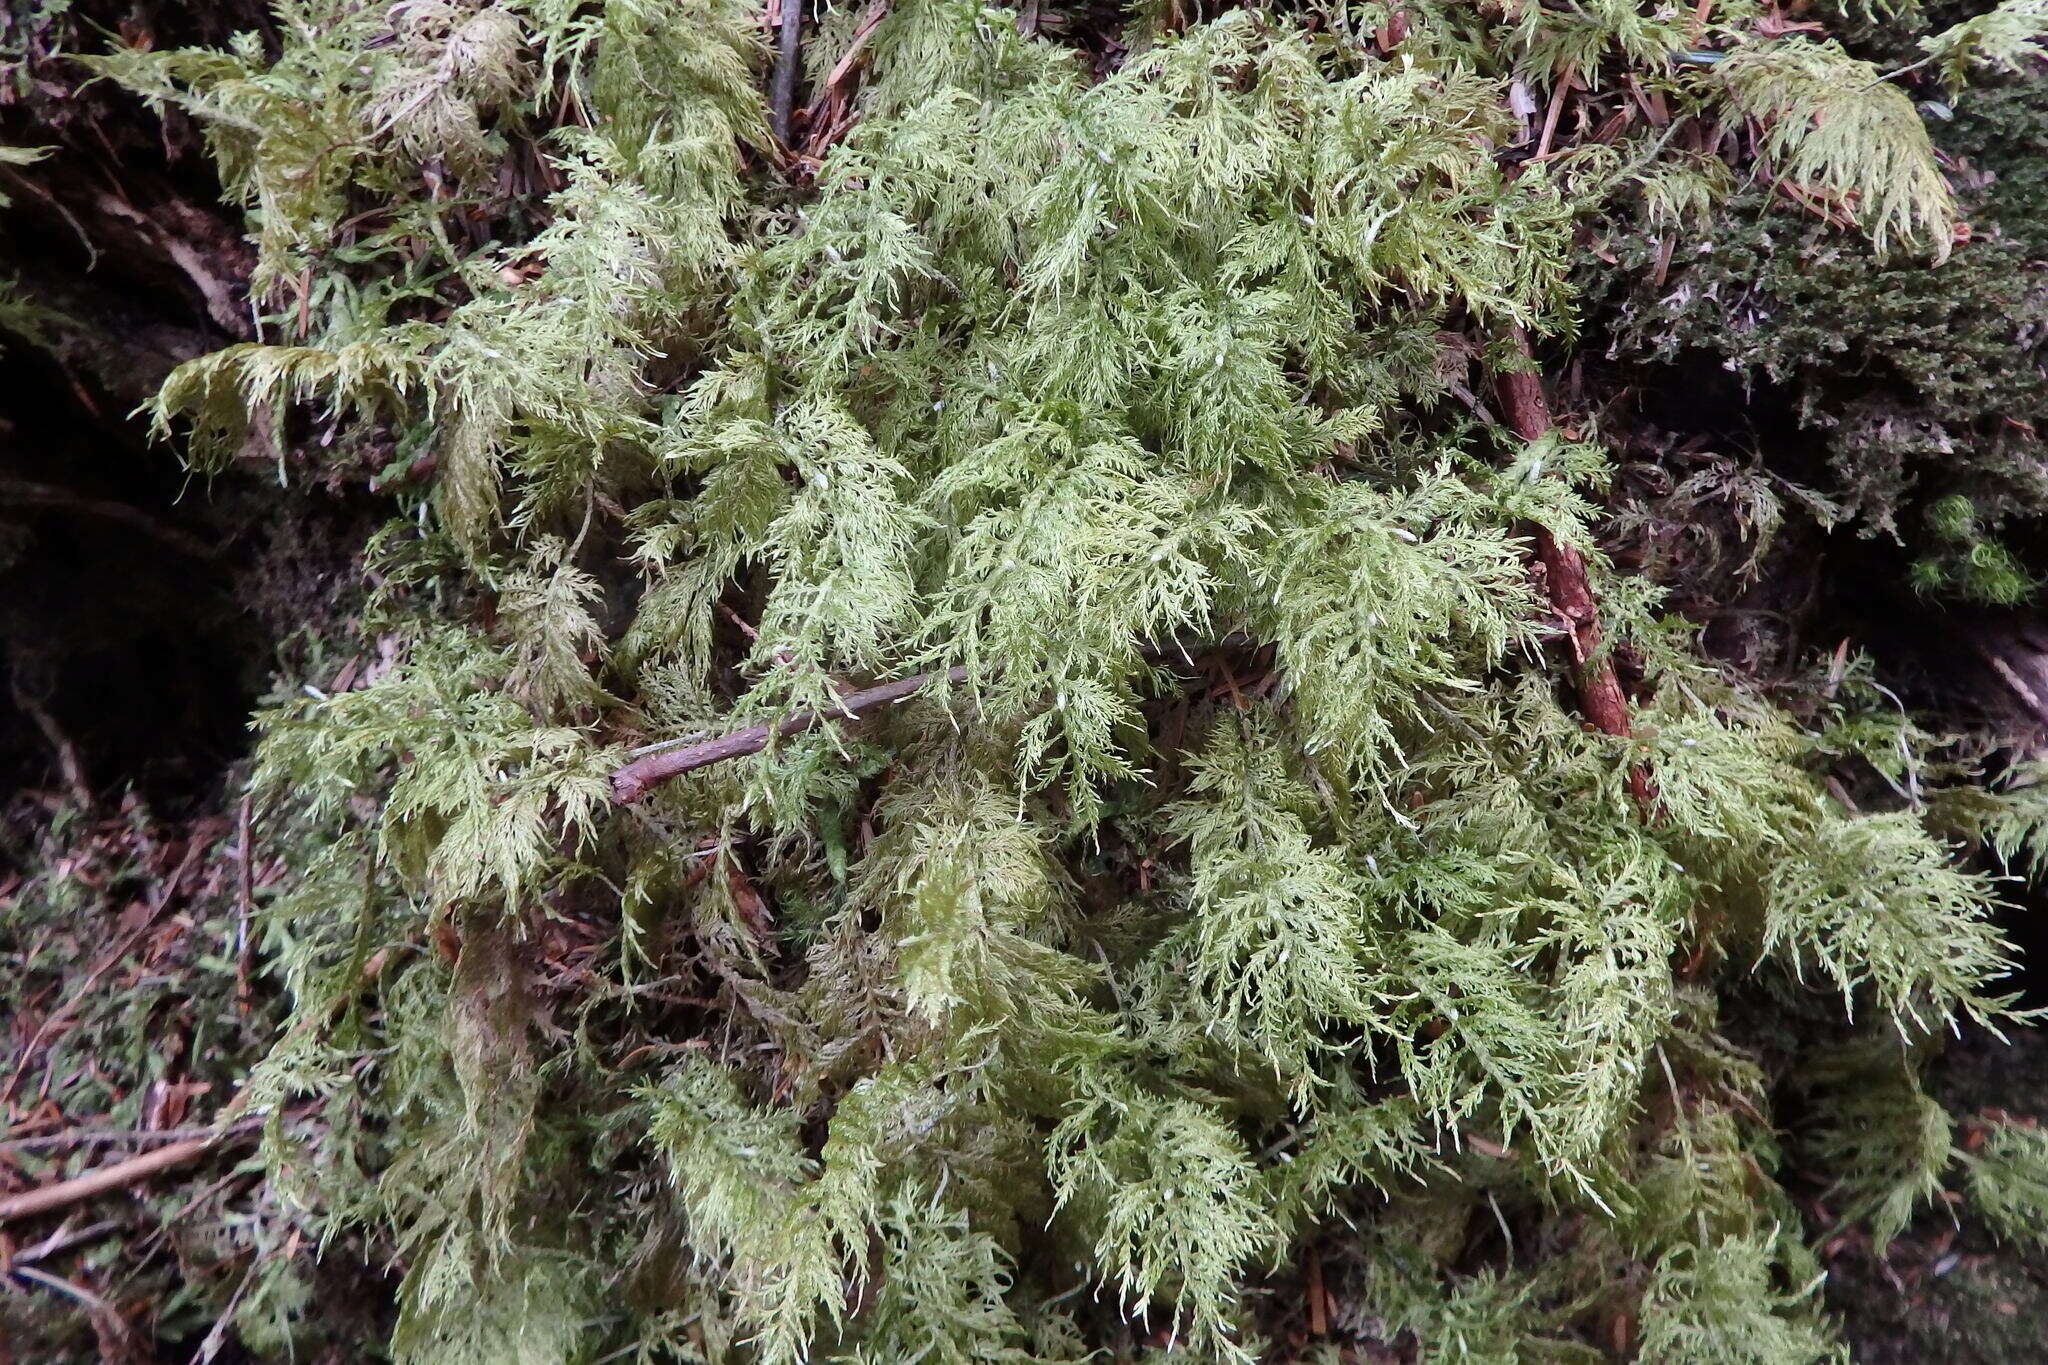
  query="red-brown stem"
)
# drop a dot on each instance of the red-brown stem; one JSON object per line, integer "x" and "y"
{"x": 1570, "y": 588}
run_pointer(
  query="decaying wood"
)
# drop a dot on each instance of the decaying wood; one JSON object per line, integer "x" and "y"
{"x": 634, "y": 780}
{"x": 1570, "y": 588}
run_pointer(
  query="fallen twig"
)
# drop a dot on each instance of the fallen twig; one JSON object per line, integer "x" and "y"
{"x": 107, "y": 1137}
{"x": 93, "y": 1302}
{"x": 63, "y": 1239}
{"x": 633, "y": 781}
{"x": 116, "y": 1336}
{"x": 655, "y": 764}
{"x": 217, "y": 1336}
{"x": 844, "y": 66}
{"x": 96, "y": 1182}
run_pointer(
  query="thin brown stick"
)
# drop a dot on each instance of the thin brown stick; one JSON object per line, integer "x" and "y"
{"x": 63, "y": 1239}
{"x": 633, "y": 781}
{"x": 1557, "y": 97}
{"x": 1569, "y": 586}
{"x": 105, "y": 1178}
{"x": 830, "y": 111}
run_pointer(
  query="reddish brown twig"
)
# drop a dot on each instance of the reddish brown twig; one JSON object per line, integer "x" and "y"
{"x": 868, "y": 23}
{"x": 1569, "y": 587}
{"x": 831, "y": 110}
{"x": 632, "y": 781}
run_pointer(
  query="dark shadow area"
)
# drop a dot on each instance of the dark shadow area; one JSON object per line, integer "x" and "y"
{"x": 126, "y": 658}
{"x": 1957, "y": 668}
